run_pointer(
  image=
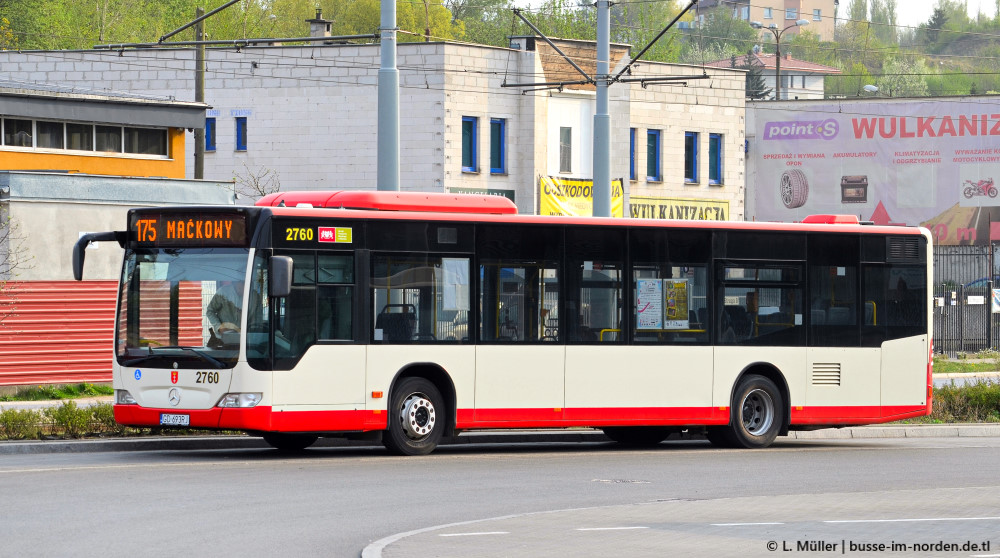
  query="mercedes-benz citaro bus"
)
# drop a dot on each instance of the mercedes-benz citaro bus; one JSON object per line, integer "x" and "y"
{"x": 409, "y": 317}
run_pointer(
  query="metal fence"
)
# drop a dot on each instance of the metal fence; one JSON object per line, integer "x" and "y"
{"x": 963, "y": 279}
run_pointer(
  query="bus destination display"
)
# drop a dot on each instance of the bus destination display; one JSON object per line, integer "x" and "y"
{"x": 184, "y": 229}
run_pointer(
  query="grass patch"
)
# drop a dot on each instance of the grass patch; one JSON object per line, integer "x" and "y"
{"x": 56, "y": 391}
{"x": 957, "y": 366}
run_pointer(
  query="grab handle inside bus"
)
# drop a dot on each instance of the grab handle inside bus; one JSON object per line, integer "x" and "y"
{"x": 281, "y": 276}
{"x": 79, "y": 249}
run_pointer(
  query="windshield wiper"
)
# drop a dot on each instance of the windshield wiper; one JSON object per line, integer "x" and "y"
{"x": 200, "y": 354}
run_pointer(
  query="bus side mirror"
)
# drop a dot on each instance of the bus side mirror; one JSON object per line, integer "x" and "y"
{"x": 80, "y": 248}
{"x": 281, "y": 276}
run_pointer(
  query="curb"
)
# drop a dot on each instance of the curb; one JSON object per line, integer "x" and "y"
{"x": 199, "y": 443}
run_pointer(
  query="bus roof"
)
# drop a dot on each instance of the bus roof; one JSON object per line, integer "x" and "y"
{"x": 393, "y": 201}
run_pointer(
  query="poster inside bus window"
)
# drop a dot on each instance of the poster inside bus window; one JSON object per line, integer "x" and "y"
{"x": 676, "y": 304}
{"x": 649, "y": 304}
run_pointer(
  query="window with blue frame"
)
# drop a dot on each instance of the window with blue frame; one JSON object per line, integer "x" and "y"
{"x": 241, "y": 133}
{"x": 469, "y": 143}
{"x": 654, "y": 171}
{"x": 498, "y": 146}
{"x": 690, "y": 156}
{"x": 715, "y": 158}
{"x": 631, "y": 153}
{"x": 210, "y": 134}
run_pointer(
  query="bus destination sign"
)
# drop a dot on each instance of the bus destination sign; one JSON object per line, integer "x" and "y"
{"x": 189, "y": 229}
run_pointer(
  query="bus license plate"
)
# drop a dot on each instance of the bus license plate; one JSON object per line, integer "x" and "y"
{"x": 175, "y": 420}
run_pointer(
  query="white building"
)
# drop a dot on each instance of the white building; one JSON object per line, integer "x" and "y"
{"x": 306, "y": 115}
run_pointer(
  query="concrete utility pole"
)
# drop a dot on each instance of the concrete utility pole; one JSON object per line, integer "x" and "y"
{"x": 602, "y": 117}
{"x": 387, "y": 177}
{"x": 199, "y": 95}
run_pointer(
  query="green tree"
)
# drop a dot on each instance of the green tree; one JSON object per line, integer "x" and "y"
{"x": 638, "y": 23}
{"x": 722, "y": 36}
{"x": 356, "y": 17}
{"x": 883, "y": 18}
{"x": 8, "y": 40}
{"x": 756, "y": 87}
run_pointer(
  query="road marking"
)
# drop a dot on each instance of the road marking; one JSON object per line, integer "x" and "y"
{"x": 741, "y": 524}
{"x": 475, "y": 534}
{"x": 914, "y": 519}
{"x": 609, "y": 528}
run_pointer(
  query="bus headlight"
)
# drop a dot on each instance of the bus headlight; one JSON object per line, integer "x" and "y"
{"x": 123, "y": 397}
{"x": 241, "y": 400}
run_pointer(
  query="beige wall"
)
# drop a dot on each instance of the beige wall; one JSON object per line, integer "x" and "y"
{"x": 709, "y": 106}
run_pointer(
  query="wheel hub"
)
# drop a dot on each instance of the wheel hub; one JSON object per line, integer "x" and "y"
{"x": 417, "y": 416}
{"x": 757, "y": 412}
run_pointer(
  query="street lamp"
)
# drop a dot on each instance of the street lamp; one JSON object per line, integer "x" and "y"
{"x": 777, "y": 49}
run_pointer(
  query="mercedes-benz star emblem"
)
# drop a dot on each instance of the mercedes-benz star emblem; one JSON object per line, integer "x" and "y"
{"x": 174, "y": 396}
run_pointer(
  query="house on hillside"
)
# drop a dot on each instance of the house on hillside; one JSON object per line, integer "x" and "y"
{"x": 799, "y": 79}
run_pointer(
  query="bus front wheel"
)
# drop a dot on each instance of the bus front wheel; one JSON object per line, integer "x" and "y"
{"x": 755, "y": 416}
{"x": 416, "y": 418}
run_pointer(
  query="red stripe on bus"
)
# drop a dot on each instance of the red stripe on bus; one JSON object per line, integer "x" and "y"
{"x": 872, "y": 414}
{"x": 267, "y": 420}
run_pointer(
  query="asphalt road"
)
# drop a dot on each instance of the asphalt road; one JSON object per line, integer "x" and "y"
{"x": 538, "y": 499}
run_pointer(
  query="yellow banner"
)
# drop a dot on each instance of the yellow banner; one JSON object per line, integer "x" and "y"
{"x": 678, "y": 208}
{"x": 574, "y": 197}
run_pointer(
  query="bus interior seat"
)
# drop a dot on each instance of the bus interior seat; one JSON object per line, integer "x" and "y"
{"x": 397, "y": 322}
{"x": 839, "y": 315}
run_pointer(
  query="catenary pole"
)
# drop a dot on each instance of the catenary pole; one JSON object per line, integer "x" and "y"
{"x": 199, "y": 94}
{"x": 602, "y": 117}
{"x": 387, "y": 174}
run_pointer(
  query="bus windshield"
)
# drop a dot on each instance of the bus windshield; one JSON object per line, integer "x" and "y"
{"x": 181, "y": 307}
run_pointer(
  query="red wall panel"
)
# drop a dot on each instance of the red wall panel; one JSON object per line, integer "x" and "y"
{"x": 57, "y": 332}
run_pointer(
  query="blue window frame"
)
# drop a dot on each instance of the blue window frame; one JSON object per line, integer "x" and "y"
{"x": 469, "y": 143}
{"x": 631, "y": 153}
{"x": 715, "y": 158}
{"x": 654, "y": 171}
{"x": 210, "y": 134}
{"x": 241, "y": 133}
{"x": 498, "y": 146}
{"x": 690, "y": 156}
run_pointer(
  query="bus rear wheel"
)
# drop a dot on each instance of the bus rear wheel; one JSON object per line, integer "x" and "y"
{"x": 755, "y": 416}
{"x": 640, "y": 436}
{"x": 416, "y": 418}
{"x": 289, "y": 442}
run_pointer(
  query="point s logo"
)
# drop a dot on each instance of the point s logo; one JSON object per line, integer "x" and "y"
{"x": 173, "y": 376}
{"x": 816, "y": 129}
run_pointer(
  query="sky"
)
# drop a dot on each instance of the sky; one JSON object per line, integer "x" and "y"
{"x": 915, "y": 12}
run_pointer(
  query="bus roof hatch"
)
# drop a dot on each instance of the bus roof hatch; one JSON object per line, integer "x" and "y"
{"x": 832, "y": 220}
{"x": 393, "y": 201}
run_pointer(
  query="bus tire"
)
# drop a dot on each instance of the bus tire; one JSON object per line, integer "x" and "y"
{"x": 289, "y": 442}
{"x": 756, "y": 413}
{"x": 794, "y": 188}
{"x": 416, "y": 418}
{"x": 638, "y": 436}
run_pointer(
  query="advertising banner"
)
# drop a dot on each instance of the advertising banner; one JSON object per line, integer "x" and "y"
{"x": 931, "y": 163}
{"x": 641, "y": 207}
{"x": 574, "y": 197}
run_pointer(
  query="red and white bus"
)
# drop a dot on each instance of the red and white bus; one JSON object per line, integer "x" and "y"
{"x": 409, "y": 317}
